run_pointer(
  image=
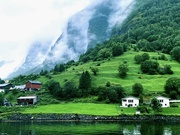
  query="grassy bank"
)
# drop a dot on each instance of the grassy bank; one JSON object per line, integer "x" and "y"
{"x": 93, "y": 109}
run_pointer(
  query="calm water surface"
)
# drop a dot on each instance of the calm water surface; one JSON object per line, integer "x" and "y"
{"x": 90, "y": 128}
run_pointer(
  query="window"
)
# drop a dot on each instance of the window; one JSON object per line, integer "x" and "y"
{"x": 130, "y": 101}
{"x": 160, "y": 100}
{"x": 124, "y": 100}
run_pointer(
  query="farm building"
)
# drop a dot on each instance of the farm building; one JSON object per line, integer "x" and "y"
{"x": 33, "y": 85}
{"x": 6, "y": 86}
{"x": 27, "y": 100}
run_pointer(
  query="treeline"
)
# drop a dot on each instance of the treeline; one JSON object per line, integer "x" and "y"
{"x": 153, "y": 26}
{"x": 111, "y": 48}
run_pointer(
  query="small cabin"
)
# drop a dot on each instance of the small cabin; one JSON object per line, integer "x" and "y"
{"x": 6, "y": 86}
{"x": 33, "y": 85}
{"x": 130, "y": 102}
{"x": 27, "y": 100}
{"x": 164, "y": 101}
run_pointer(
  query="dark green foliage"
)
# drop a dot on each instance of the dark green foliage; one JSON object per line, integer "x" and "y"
{"x": 166, "y": 69}
{"x": 94, "y": 70}
{"x": 85, "y": 80}
{"x": 2, "y": 81}
{"x": 112, "y": 47}
{"x": 175, "y": 53}
{"x": 123, "y": 69}
{"x": 143, "y": 109}
{"x": 43, "y": 72}
{"x": 84, "y": 83}
{"x": 172, "y": 87}
{"x": 137, "y": 89}
{"x": 152, "y": 25}
{"x": 162, "y": 57}
{"x": 22, "y": 79}
{"x": 150, "y": 67}
{"x": 155, "y": 104}
{"x": 141, "y": 99}
{"x": 141, "y": 58}
{"x": 108, "y": 84}
{"x": 1, "y": 99}
{"x": 54, "y": 88}
{"x": 111, "y": 94}
{"x": 59, "y": 68}
{"x": 117, "y": 50}
{"x": 69, "y": 90}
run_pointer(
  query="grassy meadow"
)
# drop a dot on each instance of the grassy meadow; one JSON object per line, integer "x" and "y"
{"x": 108, "y": 71}
{"x": 93, "y": 109}
{"x": 82, "y": 108}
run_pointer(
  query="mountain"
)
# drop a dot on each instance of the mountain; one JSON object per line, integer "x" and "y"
{"x": 84, "y": 30}
{"x": 87, "y": 28}
{"x": 153, "y": 25}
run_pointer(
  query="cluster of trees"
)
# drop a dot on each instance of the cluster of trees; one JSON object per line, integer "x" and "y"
{"x": 175, "y": 53}
{"x": 172, "y": 87}
{"x": 111, "y": 94}
{"x": 108, "y": 49}
{"x": 152, "y": 67}
{"x": 69, "y": 90}
{"x": 1, "y": 81}
{"x": 153, "y": 25}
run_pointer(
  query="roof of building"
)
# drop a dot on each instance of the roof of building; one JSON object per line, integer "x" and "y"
{"x": 4, "y": 84}
{"x": 27, "y": 97}
{"x": 131, "y": 97}
{"x": 34, "y": 82}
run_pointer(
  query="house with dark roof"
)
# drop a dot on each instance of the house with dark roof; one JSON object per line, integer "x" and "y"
{"x": 6, "y": 86}
{"x": 33, "y": 85}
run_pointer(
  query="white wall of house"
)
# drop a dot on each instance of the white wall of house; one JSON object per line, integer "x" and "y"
{"x": 163, "y": 101}
{"x": 130, "y": 102}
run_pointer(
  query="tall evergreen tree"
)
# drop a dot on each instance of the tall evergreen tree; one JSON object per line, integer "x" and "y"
{"x": 85, "y": 80}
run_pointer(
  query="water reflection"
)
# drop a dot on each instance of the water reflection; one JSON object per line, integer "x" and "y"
{"x": 90, "y": 128}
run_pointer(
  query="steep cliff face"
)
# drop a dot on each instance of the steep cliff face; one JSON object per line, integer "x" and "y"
{"x": 87, "y": 28}
{"x": 84, "y": 30}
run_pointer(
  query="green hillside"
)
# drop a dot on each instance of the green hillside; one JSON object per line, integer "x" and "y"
{"x": 108, "y": 71}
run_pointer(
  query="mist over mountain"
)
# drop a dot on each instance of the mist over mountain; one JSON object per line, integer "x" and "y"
{"x": 84, "y": 30}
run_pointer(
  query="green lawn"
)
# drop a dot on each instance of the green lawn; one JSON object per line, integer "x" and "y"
{"x": 171, "y": 111}
{"x": 81, "y": 108}
{"x": 92, "y": 109}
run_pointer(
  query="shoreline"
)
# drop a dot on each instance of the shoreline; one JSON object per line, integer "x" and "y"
{"x": 19, "y": 117}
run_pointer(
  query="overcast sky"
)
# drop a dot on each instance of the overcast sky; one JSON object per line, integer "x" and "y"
{"x": 25, "y": 21}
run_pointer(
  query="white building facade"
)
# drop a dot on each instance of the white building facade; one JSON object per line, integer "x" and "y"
{"x": 130, "y": 102}
{"x": 164, "y": 101}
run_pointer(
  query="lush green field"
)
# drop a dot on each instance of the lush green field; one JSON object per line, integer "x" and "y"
{"x": 78, "y": 108}
{"x": 108, "y": 71}
{"x": 82, "y": 108}
{"x": 93, "y": 109}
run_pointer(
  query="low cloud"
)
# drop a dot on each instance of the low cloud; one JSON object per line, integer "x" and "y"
{"x": 24, "y": 22}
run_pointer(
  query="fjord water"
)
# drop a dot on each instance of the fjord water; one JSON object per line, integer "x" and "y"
{"x": 90, "y": 128}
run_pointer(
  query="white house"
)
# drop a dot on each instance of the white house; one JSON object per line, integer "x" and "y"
{"x": 164, "y": 101}
{"x": 130, "y": 102}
